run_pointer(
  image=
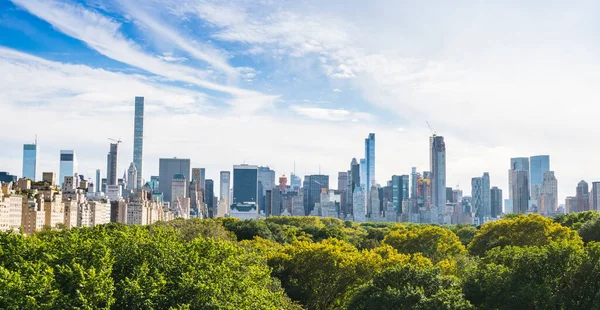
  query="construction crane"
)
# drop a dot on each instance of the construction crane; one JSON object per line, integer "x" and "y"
{"x": 117, "y": 141}
{"x": 432, "y": 132}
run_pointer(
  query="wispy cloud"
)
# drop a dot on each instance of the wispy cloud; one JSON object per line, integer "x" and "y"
{"x": 102, "y": 34}
{"x": 170, "y": 58}
{"x": 335, "y": 115}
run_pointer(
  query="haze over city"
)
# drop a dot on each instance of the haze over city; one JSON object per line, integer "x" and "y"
{"x": 304, "y": 82}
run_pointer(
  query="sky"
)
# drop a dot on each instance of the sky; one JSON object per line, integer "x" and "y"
{"x": 300, "y": 84}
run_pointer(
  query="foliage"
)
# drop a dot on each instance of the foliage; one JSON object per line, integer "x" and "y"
{"x": 575, "y": 220}
{"x": 409, "y": 287}
{"x": 433, "y": 242}
{"x": 531, "y": 230}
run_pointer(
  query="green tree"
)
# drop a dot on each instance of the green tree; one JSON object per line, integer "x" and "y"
{"x": 409, "y": 287}
{"x": 531, "y": 230}
{"x": 433, "y": 242}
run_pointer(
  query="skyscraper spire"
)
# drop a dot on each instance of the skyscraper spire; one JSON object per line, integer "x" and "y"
{"x": 138, "y": 139}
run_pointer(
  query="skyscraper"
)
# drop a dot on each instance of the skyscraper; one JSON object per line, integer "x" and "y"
{"x": 199, "y": 174}
{"x": 225, "y": 184}
{"x": 583, "y": 202}
{"x": 496, "y": 202}
{"x": 370, "y": 161}
{"x": 266, "y": 180}
{"x": 519, "y": 163}
{"x": 538, "y": 165}
{"x": 354, "y": 174}
{"x": 363, "y": 174}
{"x": 98, "y": 180}
{"x": 68, "y": 165}
{"x": 358, "y": 204}
{"x": 414, "y": 179}
{"x": 132, "y": 177}
{"x": 178, "y": 188}
{"x": 437, "y": 149}
{"x": 519, "y": 190}
{"x": 480, "y": 193}
{"x": 342, "y": 180}
{"x": 138, "y": 140}
{"x": 30, "y": 161}
{"x": 313, "y": 185}
{"x": 167, "y": 168}
{"x": 399, "y": 191}
{"x": 596, "y": 196}
{"x": 209, "y": 197}
{"x": 111, "y": 164}
{"x": 549, "y": 193}
{"x": 295, "y": 181}
{"x": 245, "y": 184}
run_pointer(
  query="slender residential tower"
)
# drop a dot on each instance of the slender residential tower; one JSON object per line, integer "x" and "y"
{"x": 437, "y": 149}
{"x": 370, "y": 162}
{"x": 138, "y": 139}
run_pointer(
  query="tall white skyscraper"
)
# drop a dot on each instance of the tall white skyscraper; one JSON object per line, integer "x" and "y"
{"x": 68, "y": 165}
{"x": 437, "y": 151}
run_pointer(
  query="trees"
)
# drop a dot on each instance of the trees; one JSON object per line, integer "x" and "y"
{"x": 433, "y": 242}
{"x": 531, "y": 230}
{"x": 410, "y": 287}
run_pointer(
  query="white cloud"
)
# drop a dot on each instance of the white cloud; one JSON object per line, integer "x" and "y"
{"x": 170, "y": 58}
{"x": 337, "y": 90}
{"x": 331, "y": 114}
{"x": 102, "y": 34}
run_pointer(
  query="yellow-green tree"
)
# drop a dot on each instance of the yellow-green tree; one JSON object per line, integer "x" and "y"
{"x": 433, "y": 242}
{"x": 531, "y": 230}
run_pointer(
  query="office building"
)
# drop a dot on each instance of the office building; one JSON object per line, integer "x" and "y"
{"x": 245, "y": 184}
{"x": 295, "y": 181}
{"x": 209, "y": 197}
{"x": 68, "y": 165}
{"x": 370, "y": 161}
{"x": 6, "y": 177}
{"x": 583, "y": 203}
{"x": 199, "y": 174}
{"x": 437, "y": 148}
{"x": 167, "y": 168}
{"x": 178, "y": 188}
{"x": 98, "y": 180}
{"x": 595, "y": 196}
{"x": 30, "y": 161}
{"x": 225, "y": 185}
{"x": 399, "y": 191}
{"x": 548, "y": 197}
{"x": 496, "y": 202}
{"x": 481, "y": 200}
{"x": 138, "y": 140}
{"x": 538, "y": 165}
{"x": 355, "y": 172}
{"x": 363, "y": 173}
{"x": 111, "y": 164}
{"x": 519, "y": 163}
{"x": 266, "y": 180}
{"x": 519, "y": 190}
{"x": 342, "y": 181}
{"x": 358, "y": 205}
{"x": 571, "y": 204}
{"x": 132, "y": 177}
{"x": 312, "y": 187}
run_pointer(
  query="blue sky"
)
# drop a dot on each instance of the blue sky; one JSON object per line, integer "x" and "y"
{"x": 277, "y": 82}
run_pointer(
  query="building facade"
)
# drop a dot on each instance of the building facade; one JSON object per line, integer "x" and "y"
{"x": 437, "y": 148}
{"x": 30, "y": 161}
{"x": 138, "y": 141}
{"x": 496, "y": 202}
{"x": 370, "y": 161}
{"x": 68, "y": 165}
{"x": 167, "y": 168}
{"x": 538, "y": 166}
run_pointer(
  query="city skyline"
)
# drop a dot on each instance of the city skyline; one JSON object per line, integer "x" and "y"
{"x": 331, "y": 87}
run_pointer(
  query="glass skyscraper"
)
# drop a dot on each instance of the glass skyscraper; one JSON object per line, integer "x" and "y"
{"x": 538, "y": 165}
{"x": 370, "y": 161}
{"x": 167, "y": 168}
{"x": 437, "y": 148}
{"x": 68, "y": 165}
{"x": 30, "y": 161}
{"x": 138, "y": 138}
{"x": 399, "y": 191}
{"x": 245, "y": 184}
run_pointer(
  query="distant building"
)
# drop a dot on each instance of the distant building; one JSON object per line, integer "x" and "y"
{"x": 132, "y": 177}
{"x": 571, "y": 204}
{"x": 199, "y": 174}
{"x": 209, "y": 197}
{"x": 548, "y": 196}
{"x": 266, "y": 180}
{"x": 68, "y": 165}
{"x": 138, "y": 142}
{"x": 538, "y": 166}
{"x": 178, "y": 188}
{"x": 495, "y": 202}
{"x": 30, "y": 161}
{"x": 312, "y": 186}
{"x": 596, "y": 196}
{"x": 518, "y": 184}
{"x": 481, "y": 200}
{"x": 358, "y": 205}
{"x": 437, "y": 148}
{"x": 167, "y": 168}
{"x": 112, "y": 159}
{"x": 5, "y": 177}
{"x": 225, "y": 185}
{"x": 583, "y": 203}
{"x": 399, "y": 191}
{"x": 245, "y": 184}
{"x": 370, "y": 161}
